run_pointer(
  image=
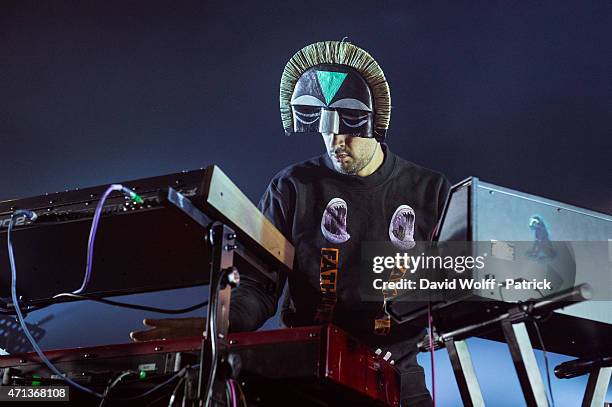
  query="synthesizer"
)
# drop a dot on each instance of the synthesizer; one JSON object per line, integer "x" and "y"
{"x": 139, "y": 247}
{"x": 316, "y": 365}
{"x": 572, "y": 247}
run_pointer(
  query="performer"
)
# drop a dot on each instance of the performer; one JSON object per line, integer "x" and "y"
{"x": 326, "y": 206}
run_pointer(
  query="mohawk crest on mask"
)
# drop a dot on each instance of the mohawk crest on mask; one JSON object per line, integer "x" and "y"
{"x": 335, "y": 87}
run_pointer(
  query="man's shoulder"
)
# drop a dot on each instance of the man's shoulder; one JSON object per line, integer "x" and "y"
{"x": 300, "y": 171}
{"x": 287, "y": 183}
{"x": 418, "y": 173}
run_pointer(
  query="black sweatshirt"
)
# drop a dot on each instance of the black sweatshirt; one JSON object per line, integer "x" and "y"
{"x": 326, "y": 215}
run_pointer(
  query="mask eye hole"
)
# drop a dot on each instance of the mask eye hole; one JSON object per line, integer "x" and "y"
{"x": 354, "y": 118}
{"x": 306, "y": 114}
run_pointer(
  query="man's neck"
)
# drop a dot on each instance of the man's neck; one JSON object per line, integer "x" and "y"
{"x": 375, "y": 162}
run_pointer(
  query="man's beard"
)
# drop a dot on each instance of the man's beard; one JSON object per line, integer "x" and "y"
{"x": 350, "y": 168}
{"x": 353, "y": 167}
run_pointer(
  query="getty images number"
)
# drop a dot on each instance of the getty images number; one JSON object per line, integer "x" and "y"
{"x": 36, "y": 393}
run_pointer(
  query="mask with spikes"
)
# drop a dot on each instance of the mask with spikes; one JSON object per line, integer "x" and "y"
{"x": 335, "y": 87}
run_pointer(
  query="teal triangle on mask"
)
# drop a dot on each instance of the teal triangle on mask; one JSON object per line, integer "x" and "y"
{"x": 330, "y": 83}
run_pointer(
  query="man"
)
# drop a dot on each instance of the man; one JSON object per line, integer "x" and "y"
{"x": 326, "y": 206}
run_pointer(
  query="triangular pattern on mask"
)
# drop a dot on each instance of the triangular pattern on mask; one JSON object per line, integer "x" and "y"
{"x": 330, "y": 83}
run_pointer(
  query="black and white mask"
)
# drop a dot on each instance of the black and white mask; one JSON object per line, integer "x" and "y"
{"x": 333, "y": 99}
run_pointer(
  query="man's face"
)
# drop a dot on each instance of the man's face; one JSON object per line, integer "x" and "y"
{"x": 349, "y": 154}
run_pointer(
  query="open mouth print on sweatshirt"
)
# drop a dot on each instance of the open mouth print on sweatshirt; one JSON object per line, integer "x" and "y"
{"x": 333, "y": 222}
{"x": 401, "y": 228}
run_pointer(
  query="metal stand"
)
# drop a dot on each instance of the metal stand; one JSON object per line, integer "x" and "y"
{"x": 597, "y": 387}
{"x": 525, "y": 363}
{"x": 223, "y": 276}
{"x": 515, "y": 332}
{"x": 461, "y": 361}
{"x": 211, "y": 386}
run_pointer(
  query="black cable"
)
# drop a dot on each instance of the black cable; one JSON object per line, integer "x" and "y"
{"x": 186, "y": 389}
{"x": 165, "y": 395}
{"x": 175, "y": 376}
{"x": 17, "y": 310}
{"x": 212, "y": 332}
{"x": 21, "y": 318}
{"x": 537, "y": 328}
{"x": 228, "y": 394}
{"x": 175, "y": 391}
{"x": 187, "y": 392}
{"x": 112, "y": 383}
{"x": 30, "y": 308}
{"x": 133, "y": 306}
{"x": 242, "y": 396}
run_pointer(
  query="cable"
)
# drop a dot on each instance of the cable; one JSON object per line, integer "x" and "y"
{"x": 212, "y": 323}
{"x": 113, "y": 383}
{"x": 133, "y": 306}
{"x": 537, "y": 328}
{"x": 233, "y": 390}
{"x": 187, "y": 383}
{"x": 431, "y": 352}
{"x": 94, "y": 228}
{"x": 30, "y": 308}
{"x": 228, "y": 395}
{"x": 178, "y": 374}
{"x": 159, "y": 386}
{"x": 24, "y": 327}
{"x": 31, "y": 215}
{"x": 174, "y": 392}
{"x": 242, "y": 396}
{"x": 187, "y": 387}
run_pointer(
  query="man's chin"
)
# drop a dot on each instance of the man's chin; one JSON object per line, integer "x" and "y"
{"x": 344, "y": 169}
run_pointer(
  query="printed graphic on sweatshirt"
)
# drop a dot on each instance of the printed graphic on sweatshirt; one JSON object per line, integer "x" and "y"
{"x": 382, "y": 323}
{"x": 401, "y": 227}
{"x": 333, "y": 222}
{"x": 328, "y": 281}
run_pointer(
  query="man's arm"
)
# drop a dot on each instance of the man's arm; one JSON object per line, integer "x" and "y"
{"x": 256, "y": 299}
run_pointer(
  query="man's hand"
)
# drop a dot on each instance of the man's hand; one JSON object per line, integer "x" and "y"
{"x": 169, "y": 328}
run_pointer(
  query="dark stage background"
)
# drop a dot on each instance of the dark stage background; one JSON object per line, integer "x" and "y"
{"x": 516, "y": 93}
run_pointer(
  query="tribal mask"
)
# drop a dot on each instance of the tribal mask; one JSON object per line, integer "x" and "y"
{"x": 335, "y": 87}
{"x": 333, "y": 99}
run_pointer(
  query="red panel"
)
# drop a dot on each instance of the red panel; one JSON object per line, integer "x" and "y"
{"x": 301, "y": 334}
{"x": 355, "y": 365}
{"x": 344, "y": 360}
